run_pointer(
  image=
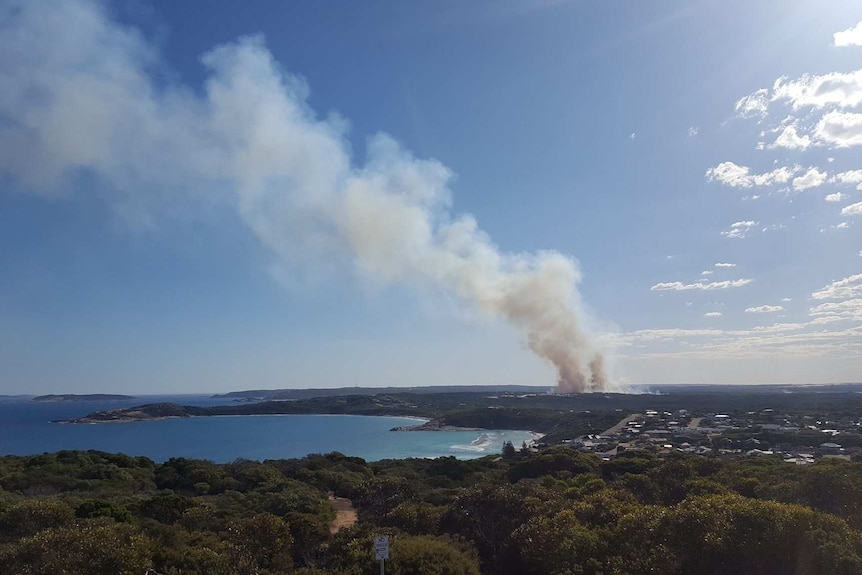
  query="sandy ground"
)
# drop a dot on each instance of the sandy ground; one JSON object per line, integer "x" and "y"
{"x": 345, "y": 513}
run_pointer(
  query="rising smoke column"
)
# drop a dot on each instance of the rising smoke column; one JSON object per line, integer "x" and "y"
{"x": 78, "y": 95}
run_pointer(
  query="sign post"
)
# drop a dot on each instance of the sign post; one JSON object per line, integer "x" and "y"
{"x": 381, "y": 550}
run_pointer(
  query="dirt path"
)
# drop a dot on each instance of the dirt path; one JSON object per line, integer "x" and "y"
{"x": 345, "y": 514}
{"x": 695, "y": 421}
{"x": 625, "y": 421}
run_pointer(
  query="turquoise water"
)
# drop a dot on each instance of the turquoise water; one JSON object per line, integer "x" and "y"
{"x": 26, "y": 428}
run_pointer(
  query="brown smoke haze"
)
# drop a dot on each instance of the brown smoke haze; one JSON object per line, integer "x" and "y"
{"x": 249, "y": 140}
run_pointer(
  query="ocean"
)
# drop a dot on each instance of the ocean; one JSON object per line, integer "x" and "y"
{"x": 26, "y": 429}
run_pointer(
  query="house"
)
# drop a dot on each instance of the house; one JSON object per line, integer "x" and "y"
{"x": 829, "y": 448}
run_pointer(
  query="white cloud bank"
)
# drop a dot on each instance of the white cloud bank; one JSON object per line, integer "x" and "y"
{"x": 840, "y": 129}
{"x": 852, "y": 210}
{"x": 78, "y": 96}
{"x": 849, "y": 37}
{"x": 831, "y": 312}
{"x": 833, "y": 94}
{"x": 700, "y": 285}
{"x": 852, "y": 177}
{"x": 731, "y": 174}
{"x": 848, "y": 287}
{"x": 736, "y": 176}
{"x": 764, "y": 309}
{"x": 835, "y": 89}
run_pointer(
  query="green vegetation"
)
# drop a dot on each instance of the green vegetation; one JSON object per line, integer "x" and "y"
{"x": 549, "y": 511}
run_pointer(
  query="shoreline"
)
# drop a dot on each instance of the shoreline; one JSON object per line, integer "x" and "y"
{"x": 424, "y": 424}
{"x": 84, "y": 420}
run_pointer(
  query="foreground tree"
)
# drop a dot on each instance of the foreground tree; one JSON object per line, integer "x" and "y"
{"x": 92, "y": 550}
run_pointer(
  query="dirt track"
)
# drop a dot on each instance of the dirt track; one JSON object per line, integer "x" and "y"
{"x": 345, "y": 513}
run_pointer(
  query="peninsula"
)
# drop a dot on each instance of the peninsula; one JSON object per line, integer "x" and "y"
{"x": 82, "y": 398}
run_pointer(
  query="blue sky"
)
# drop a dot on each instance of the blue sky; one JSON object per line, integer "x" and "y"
{"x": 196, "y": 196}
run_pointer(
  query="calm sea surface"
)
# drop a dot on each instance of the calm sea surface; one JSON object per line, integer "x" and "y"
{"x": 26, "y": 428}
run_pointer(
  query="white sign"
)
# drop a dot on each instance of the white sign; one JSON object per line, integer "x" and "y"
{"x": 381, "y": 547}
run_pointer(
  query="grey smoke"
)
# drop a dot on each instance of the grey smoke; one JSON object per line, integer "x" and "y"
{"x": 78, "y": 97}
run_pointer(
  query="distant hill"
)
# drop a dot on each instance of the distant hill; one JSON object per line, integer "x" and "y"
{"x": 286, "y": 394}
{"x": 84, "y": 397}
{"x": 754, "y": 389}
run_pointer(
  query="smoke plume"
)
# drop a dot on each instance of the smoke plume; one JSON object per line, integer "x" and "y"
{"x": 80, "y": 96}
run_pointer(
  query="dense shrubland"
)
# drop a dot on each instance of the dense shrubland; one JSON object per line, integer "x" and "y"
{"x": 553, "y": 512}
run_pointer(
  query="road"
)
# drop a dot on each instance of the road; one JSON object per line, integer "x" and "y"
{"x": 623, "y": 422}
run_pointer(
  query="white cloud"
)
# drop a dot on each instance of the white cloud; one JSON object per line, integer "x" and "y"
{"x": 786, "y": 299}
{"x": 849, "y": 37}
{"x": 852, "y": 210}
{"x": 789, "y": 138}
{"x": 755, "y": 104}
{"x": 739, "y": 229}
{"x": 836, "y": 197}
{"x": 836, "y": 89}
{"x": 848, "y": 287}
{"x": 840, "y": 129}
{"x": 764, "y": 309}
{"x": 680, "y": 333}
{"x": 730, "y": 174}
{"x": 692, "y": 131}
{"x": 842, "y": 226}
{"x": 700, "y": 285}
{"x": 780, "y": 340}
{"x": 706, "y": 273}
{"x": 737, "y": 176}
{"x": 776, "y": 328}
{"x": 811, "y": 179}
{"x": 832, "y": 307}
{"x": 776, "y": 340}
{"x": 712, "y": 314}
{"x": 852, "y": 177}
{"x": 632, "y": 136}
{"x": 847, "y": 310}
{"x": 725, "y": 265}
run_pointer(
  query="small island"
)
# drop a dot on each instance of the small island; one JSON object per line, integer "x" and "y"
{"x": 82, "y": 397}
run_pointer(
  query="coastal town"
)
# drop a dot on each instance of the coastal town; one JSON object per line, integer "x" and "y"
{"x": 796, "y": 438}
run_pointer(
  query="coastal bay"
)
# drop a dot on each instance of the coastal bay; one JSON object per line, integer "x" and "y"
{"x": 26, "y": 428}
